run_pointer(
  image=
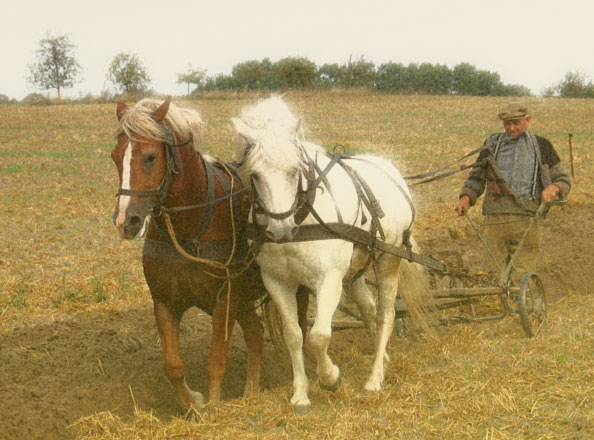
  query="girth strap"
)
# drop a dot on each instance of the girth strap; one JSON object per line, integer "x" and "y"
{"x": 342, "y": 231}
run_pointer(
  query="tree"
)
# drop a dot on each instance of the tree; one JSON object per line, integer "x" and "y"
{"x": 395, "y": 76}
{"x": 331, "y": 75}
{"x": 56, "y": 66}
{"x": 433, "y": 79}
{"x": 192, "y": 76}
{"x": 128, "y": 74}
{"x": 254, "y": 74}
{"x": 296, "y": 73}
{"x": 359, "y": 73}
{"x": 465, "y": 79}
{"x": 575, "y": 85}
{"x": 489, "y": 83}
{"x": 220, "y": 82}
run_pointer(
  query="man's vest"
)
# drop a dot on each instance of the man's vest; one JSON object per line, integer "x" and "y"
{"x": 516, "y": 183}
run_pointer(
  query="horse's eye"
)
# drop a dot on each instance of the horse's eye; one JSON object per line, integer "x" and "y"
{"x": 150, "y": 157}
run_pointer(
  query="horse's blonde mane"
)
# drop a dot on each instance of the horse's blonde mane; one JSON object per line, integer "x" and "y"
{"x": 275, "y": 124}
{"x": 137, "y": 120}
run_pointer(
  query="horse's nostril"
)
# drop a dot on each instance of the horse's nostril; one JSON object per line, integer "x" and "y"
{"x": 270, "y": 236}
{"x": 134, "y": 222}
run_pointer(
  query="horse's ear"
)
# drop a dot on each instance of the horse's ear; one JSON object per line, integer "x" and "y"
{"x": 243, "y": 130}
{"x": 161, "y": 112}
{"x": 122, "y": 107}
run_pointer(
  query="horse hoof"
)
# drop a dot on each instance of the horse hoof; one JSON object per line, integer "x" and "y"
{"x": 302, "y": 409}
{"x": 373, "y": 386}
{"x": 197, "y": 398}
{"x": 332, "y": 388}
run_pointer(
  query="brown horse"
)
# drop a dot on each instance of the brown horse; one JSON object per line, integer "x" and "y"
{"x": 193, "y": 212}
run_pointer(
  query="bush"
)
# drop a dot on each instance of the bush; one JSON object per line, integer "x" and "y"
{"x": 36, "y": 99}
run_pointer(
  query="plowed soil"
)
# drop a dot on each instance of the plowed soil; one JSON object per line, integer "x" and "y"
{"x": 54, "y": 373}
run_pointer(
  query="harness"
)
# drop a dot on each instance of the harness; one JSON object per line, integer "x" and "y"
{"x": 211, "y": 253}
{"x": 303, "y": 205}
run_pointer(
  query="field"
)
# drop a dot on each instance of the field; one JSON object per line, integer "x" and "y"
{"x": 78, "y": 345}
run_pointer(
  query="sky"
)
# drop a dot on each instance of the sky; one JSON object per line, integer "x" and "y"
{"x": 527, "y": 42}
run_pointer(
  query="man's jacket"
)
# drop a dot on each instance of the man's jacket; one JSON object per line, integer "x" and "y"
{"x": 499, "y": 198}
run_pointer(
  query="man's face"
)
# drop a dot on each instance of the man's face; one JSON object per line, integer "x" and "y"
{"x": 515, "y": 127}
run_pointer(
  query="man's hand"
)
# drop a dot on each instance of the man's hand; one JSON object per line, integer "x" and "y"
{"x": 464, "y": 204}
{"x": 550, "y": 193}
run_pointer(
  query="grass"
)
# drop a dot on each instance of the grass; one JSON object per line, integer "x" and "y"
{"x": 60, "y": 251}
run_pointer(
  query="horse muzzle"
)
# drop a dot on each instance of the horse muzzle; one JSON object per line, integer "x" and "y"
{"x": 281, "y": 230}
{"x": 131, "y": 224}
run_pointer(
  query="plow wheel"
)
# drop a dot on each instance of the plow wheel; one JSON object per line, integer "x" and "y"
{"x": 532, "y": 305}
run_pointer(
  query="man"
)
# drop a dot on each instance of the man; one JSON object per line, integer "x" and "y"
{"x": 519, "y": 170}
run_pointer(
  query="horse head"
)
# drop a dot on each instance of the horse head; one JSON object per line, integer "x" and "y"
{"x": 142, "y": 159}
{"x": 270, "y": 159}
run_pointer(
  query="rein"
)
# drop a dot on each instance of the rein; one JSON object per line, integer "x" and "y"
{"x": 205, "y": 204}
{"x": 442, "y": 172}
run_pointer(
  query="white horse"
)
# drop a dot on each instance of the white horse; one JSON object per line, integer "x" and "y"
{"x": 277, "y": 162}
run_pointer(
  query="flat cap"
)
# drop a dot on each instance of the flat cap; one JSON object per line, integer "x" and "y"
{"x": 513, "y": 111}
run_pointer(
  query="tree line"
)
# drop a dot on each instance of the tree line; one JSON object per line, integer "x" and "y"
{"x": 301, "y": 73}
{"x": 57, "y": 68}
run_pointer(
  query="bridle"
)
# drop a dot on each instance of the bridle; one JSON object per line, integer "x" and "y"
{"x": 298, "y": 203}
{"x": 173, "y": 167}
{"x": 304, "y": 198}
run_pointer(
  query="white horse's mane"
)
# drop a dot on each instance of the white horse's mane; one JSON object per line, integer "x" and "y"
{"x": 137, "y": 120}
{"x": 275, "y": 130}
{"x": 270, "y": 112}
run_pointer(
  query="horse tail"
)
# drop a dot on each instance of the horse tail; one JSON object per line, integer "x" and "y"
{"x": 413, "y": 290}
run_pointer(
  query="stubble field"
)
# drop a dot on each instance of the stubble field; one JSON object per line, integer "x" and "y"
{"x": 78, "y": 344}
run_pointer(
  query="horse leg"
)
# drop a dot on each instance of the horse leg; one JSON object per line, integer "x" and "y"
{"x": 302, "y": 305}
{"x": 361, "y": 295}
{"x": 168, "y": 326}
{"x": 387, "y": 290}
{"x": 223, "y": 321}
{"x": 328, "y": 294}
{"x": 253, "y": 334}
{"x": 285, "y": 299}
